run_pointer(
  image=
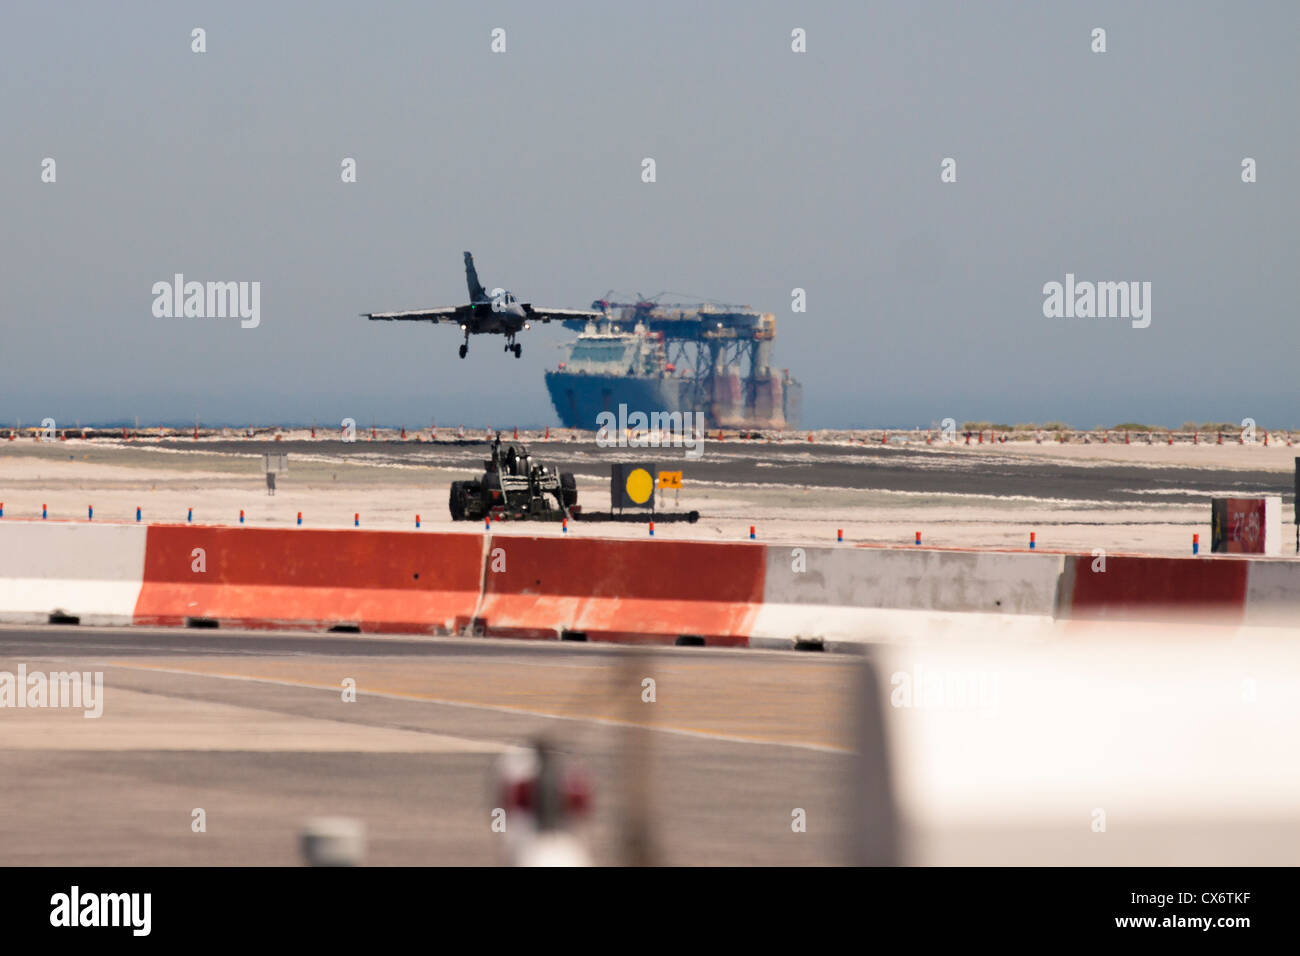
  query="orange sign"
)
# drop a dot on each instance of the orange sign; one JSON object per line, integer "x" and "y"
{"x": 670, "y": 479}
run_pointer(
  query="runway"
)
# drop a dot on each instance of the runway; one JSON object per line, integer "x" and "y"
{"x": 921, "y": 470}
{"x": 252, "y": 728}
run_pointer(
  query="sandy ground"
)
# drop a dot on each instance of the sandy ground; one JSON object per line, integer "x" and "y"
{"x": 117, "y": 477}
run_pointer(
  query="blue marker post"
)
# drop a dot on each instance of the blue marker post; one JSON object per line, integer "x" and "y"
{"x": 1196, "y": 544}
{"x": 43, "y": 512}
{"x": 90, "y": 512}
{"x": 356, "y": 519}
{"x": 137, "y": 514}
{"x": 189, "y": 516}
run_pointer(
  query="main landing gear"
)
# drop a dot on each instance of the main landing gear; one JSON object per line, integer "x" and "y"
{"x": 513, "y": 346}
{"x": 464, "y": 349}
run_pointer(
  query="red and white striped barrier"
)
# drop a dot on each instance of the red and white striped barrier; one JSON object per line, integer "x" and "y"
{"x": 600, "y": 589}
{"x": 264, "y": 578}
{"x": 604, "y": 589}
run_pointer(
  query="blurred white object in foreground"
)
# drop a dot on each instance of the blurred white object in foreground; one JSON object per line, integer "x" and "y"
{"x": 1130, "y": 745}
{"x": 542, "y": 799}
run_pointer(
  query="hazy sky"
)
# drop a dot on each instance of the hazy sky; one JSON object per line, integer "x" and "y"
{"x": 775, "y": 170}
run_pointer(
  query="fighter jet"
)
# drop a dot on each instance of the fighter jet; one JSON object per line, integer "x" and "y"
{"x": 499, "y": 313}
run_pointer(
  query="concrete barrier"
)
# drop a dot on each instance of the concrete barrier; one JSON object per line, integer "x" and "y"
{"x": 827, "y": 596}
{"x": 1273, "y": 593}
{"x": 1140, "y": 588}
{"x": 89, "y": 572}
{"x": 603, "y": 589}
{"x": 394, "y": 581}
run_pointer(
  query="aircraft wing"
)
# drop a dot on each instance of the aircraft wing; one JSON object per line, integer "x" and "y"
{"x": 546, "y": 315}
{"x": 449, "y": 313}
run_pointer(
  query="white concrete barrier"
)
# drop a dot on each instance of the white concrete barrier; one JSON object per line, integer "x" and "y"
{"x": 830, "y": 596}
{"x": 89, "y": 571}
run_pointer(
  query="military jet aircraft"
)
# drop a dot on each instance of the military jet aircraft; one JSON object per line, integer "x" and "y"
{"x": 499, "y": 313}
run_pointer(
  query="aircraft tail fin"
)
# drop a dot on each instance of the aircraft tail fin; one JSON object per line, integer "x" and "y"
{"x": 476, "y": 290}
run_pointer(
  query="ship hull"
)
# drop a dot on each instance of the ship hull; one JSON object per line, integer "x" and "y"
{"x": 579, "y": 398}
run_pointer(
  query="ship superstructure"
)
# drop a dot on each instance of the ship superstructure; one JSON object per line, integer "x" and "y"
{"x": 709, "y": 358}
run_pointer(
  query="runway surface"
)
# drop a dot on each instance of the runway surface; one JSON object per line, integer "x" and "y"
{"x": 252, "y": 728}
{"x": 926, "y": 470}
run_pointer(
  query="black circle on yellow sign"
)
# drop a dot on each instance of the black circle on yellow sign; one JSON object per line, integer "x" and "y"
{"x": 640, "y": 486}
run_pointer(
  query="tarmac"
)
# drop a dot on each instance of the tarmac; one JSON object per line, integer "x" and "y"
{"x": 252, "y": 728}
{"x": 1124, "y": 498}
